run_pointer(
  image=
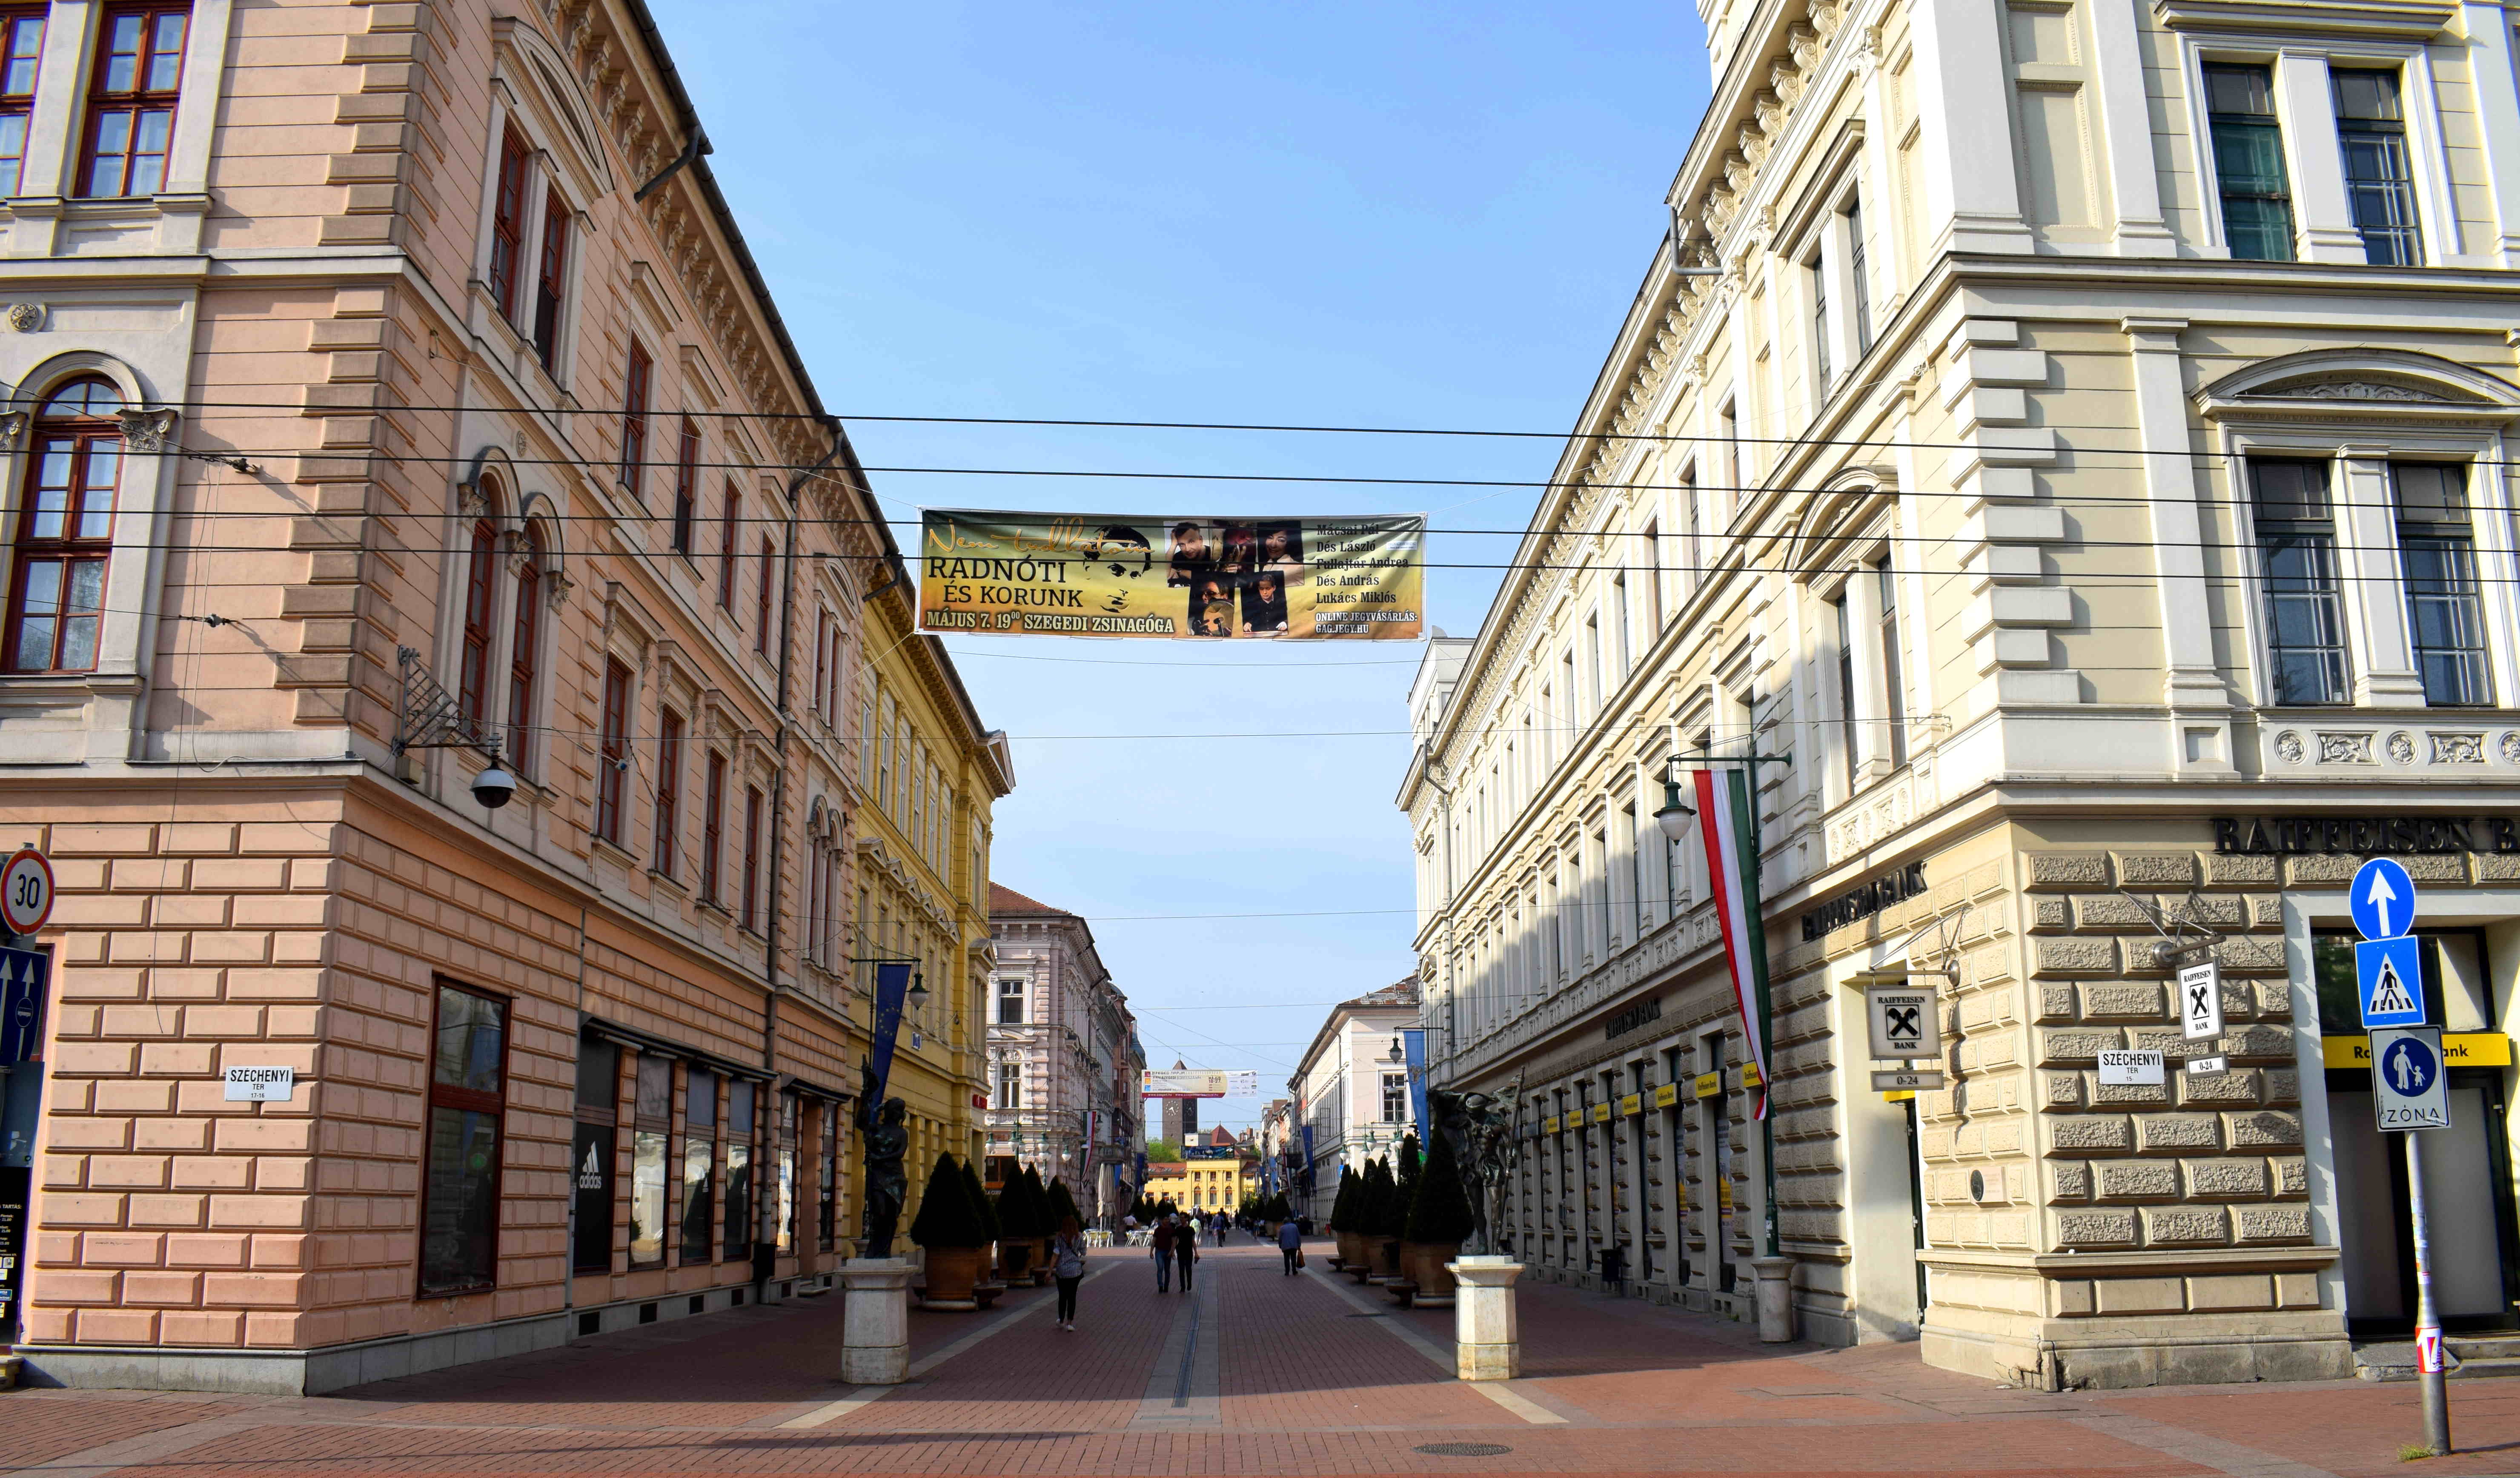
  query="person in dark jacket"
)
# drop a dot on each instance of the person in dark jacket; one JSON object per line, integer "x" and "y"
{"x": 1067, "y": 1266}
{"x": 1290, "y": 1242}
{"x": 1162, "y": 1242}
{"x": 1186, "y": 1249}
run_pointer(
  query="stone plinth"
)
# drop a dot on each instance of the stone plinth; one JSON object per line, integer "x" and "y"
{"x": 1775, "y": 1298}
{"x": 874, "y": 1337}
{"x": 1487, "y": 1339}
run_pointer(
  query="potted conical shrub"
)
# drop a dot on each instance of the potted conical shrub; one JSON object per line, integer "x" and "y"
{"x": 1014, "y": 1232}
{"x": 1344, "y": 1210}
{"x": 1438, "y": 1219}
{"x": 951, "y": 1229}
{"x": 1062, "y": 1205}
{"x": 1405, "y": 1196}
{"x": 1037, "y": 1203}
{"x": 1390, "y": 1215}
{"x": 979, "y": 1197}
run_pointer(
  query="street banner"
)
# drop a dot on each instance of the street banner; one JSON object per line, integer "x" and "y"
{"x": 1198, "y": 576}
{"x": 1200, "y": 1083}
{"x": 1726, "y": 824}
{"x": 1413, "y": 1046}
{"x": 892, "y": 990}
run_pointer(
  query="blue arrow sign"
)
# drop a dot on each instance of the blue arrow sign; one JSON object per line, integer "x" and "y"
{"x": 2383, "y": 897}
{"x": 2390, "y": 972}
{"x": 23, "y": 975}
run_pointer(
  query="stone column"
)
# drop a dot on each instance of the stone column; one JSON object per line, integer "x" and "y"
{"x": 874, "y": 1341}
{"x": 1775, "y": 1298}
{"x": 1487, "y": 1340}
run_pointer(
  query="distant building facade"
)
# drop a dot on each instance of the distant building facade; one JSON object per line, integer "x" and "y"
{"x": 1351, "y": 1093}
{"x": 1065, "y": 1061}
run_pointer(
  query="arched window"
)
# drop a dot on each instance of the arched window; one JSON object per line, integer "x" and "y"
{"x": 481, "y": 583}
{"x": 522, "y": 653}
{"x": 65, "y": 530}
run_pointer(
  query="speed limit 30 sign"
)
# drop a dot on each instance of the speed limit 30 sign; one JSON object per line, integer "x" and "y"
{"x": 25, "y": 891}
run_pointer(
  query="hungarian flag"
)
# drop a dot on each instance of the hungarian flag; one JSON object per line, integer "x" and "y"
{"x": 1730, "y": 825}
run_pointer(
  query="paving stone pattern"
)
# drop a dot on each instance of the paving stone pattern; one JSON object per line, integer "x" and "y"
{"x": 1305, "y": 1386}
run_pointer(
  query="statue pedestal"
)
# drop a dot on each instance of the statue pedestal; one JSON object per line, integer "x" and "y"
{"x": 875, "y": 1338}
{"x": 1487, "y": 1340}
{"x": 1775, "y": 1298}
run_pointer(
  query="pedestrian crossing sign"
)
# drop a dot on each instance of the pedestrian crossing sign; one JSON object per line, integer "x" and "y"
{"x": 2390, "y": 972}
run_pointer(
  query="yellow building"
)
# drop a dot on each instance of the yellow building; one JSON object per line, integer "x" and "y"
{"x": 907, "y": 876}
{"x": 1203, "y": 1184}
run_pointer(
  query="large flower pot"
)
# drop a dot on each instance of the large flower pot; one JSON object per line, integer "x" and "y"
{"x": 1014, "y": 1257}
{"x": 1351, "y": 1248}
{"x": 1406, "y": 1262}
{"x": 1041, "y": 1262}
{"x": 950, "y": 1273}
{"x": 1433, "y": 1279}
{"x": 1386, "y": 1256}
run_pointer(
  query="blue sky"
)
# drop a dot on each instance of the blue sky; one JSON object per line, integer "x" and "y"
{"x": 1404, "y": 215}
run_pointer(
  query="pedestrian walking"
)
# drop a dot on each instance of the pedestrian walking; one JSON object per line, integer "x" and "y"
{"x": 1067, "y": 1266}
{"x": 1163, "y": 1241}
{"x": 1290, "y": 1245}
{"x": 1185, "y": 1250}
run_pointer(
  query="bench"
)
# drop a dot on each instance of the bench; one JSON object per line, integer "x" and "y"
{"x": 1402, "y": 1290}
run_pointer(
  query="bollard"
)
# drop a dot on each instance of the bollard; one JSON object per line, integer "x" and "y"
{"x": 1775, "y": 1298}
{"x": 875, "y": 1321}
{"x": 1487, "y": 1339}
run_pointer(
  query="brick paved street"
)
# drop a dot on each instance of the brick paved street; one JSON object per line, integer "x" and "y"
{"x": 1285, "y": 1375}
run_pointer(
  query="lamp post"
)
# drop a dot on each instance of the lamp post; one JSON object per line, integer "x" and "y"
{"x": 1678, "y": 818}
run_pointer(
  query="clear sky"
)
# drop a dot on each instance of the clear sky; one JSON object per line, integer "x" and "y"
{"x": 1376, "y": 214}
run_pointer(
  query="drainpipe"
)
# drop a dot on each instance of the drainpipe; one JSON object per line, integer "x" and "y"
{"x": 692, "y": 148}
{"x": 765, "y": 1245}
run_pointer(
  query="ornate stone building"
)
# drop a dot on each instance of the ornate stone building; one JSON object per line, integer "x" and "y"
{"x": 2071, "y": 438}
{"x": 435, "y": 612}
{"x": 1066, "y": 1065}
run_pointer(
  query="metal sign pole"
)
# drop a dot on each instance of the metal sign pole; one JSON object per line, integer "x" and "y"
{"x": 2428, "y": 1331}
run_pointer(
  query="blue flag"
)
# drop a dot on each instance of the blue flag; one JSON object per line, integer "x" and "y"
{"x": 892, "y": 990}
{"x": 1412, "y": 1043}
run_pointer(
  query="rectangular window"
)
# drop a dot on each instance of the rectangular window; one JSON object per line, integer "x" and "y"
{"x": 22, "y": 45}
{"x": 2379, "y": 178}
{"x": 1010, "y": 1003}
{"x": 551, "y": 299}
{"x": 131, "y": 105}
{"x": 1689, "y": 575}
{"x": 1817, "y": 270}
{"x": 828, "y": 1176}
{"x": 1894, "y": 699}
{"x": 687, "y": 456}
{"x": 1653, "y": 585}
{"x": 712, "y": 823}
{"x": 2248, "y": 162}
{"x": 2296, "y": 528}
{"x": 700, "y": 1165}
{"x": 65, "y": 540}
{"x": 761, "y": 607}
{"x": 590, "y": 1163}
{"x": 652, "y": 1114}
{"x": 1863, "y": 279}
{"x": 1395, "y": 1097}
{"x": 730, "y": 517}
{"x": 614, "y": 758}
{"x": 1010, "y": 1086}
{"x": 1847, "y": 713}
{"x": 508, "y": 224}
{"x": 669, "y": 786}
{"x": 634, "y": 422}
{"x": 468, "y": 1087}
{"x": 739, "y": 1102}
{"x": 822, "y": 668}
{"x": 748, "y": 909}
{"x": 2445, "y": 615}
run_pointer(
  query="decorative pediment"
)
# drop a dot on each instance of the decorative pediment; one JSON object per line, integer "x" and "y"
{"x": 2360, "y": 382}
{"x": 2402, "y": 20}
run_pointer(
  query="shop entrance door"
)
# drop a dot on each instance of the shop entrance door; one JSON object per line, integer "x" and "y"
{"x": 2468, "y": 1181}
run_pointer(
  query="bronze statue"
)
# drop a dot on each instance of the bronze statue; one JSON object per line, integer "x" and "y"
{"x": 1480, "y": 1128}
{"x": 887, "y": 1140}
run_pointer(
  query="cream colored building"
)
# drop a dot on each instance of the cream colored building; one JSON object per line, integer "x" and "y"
{"x": 425, "y": 417}
{"x": 1351, "y": 1093}
{"x": 2076, "y": 432}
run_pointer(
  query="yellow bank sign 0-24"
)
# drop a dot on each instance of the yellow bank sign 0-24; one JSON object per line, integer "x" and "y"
{"x": 1213, "y": 579}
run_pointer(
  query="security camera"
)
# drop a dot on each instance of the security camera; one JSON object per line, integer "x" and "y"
{"x": 493, "y": 788}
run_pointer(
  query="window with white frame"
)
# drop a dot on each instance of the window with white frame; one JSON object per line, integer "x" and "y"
{"x": 2445, "y": 612}
{"x": 2249, "y": 161}
{"x": 1010, "y": 1086}
{"x": 2379, "y": 174}
{"x": 2305, "y": 613}
{"x": 1010, "y": 1003}
{"x": 1395, "y": 1097}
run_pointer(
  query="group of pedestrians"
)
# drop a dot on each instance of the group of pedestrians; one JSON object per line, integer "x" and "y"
{"x": 1175, "y": 1246}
